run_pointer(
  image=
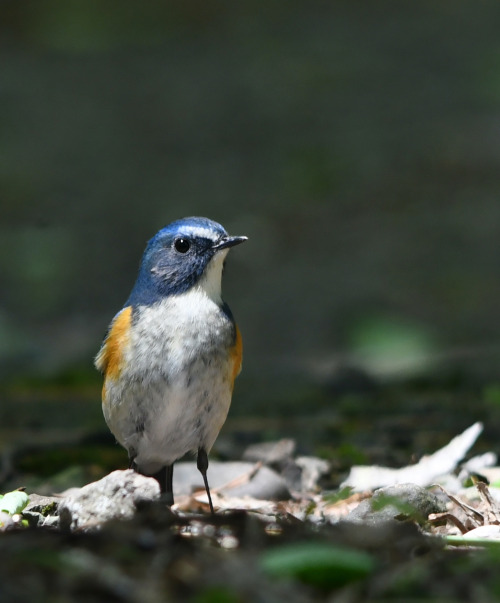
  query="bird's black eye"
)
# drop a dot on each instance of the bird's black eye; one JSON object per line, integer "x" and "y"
{"x": 182, "y": 245}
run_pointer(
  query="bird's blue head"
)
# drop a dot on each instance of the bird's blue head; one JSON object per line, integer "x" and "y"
{"x": 179, "y": 256}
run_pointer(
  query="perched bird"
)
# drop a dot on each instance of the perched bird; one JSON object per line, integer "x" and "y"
{"x": 171, "y": 355}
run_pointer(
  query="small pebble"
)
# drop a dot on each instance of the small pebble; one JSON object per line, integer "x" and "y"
{"x": 229, "y": 542}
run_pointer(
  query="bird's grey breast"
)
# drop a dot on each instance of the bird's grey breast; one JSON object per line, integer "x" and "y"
{"x": 171, "y": 337}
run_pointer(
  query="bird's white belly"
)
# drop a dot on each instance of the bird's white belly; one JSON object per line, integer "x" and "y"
{"x": 173, "y": 419}
{"x": 174, "y": 392}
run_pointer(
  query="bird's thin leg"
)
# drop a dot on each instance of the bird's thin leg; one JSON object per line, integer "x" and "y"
{"x": 161, "y": 477}
{"x": 202, "y": 464}
{"x": 164, "y": 478}
{"x": 169, "y": 490}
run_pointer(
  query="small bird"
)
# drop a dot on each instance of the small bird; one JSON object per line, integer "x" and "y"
{"x": 172, "y": 353}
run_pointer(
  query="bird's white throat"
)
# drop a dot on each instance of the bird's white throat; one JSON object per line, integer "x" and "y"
{"x": 211, "y": 281}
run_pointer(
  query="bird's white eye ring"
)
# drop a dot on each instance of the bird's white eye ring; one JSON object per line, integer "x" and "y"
{"x": 182, "y": 245}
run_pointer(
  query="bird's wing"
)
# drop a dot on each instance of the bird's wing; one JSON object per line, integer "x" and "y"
{"x": 236, "y": 354}
{"x": 110, "y": 357}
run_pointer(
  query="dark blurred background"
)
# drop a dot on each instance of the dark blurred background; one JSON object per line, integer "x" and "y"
{"x": 356, "y": 144}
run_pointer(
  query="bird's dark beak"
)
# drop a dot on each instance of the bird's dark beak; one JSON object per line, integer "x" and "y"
{"x": 226, "y": 242}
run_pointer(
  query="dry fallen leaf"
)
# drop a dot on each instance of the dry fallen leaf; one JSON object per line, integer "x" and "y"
{"x": 423, "y": 473}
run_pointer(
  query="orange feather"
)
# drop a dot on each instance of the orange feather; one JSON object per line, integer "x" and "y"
{"x": 110, "y": 358}
{"x": 236, "y": 355}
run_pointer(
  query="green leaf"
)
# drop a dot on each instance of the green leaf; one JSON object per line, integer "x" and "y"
{"x": 387, "y": 345}
{"x": 491, "y": 394}
{"x": 13, "y": 502}
{"x": 216, "y": 595}
{"x": 488, "y": 543}
{"x": 338, "y": 495}
{"x": 318, "y": 564}
{"x": 383, "y": 500}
